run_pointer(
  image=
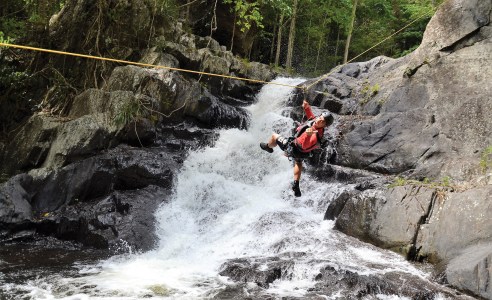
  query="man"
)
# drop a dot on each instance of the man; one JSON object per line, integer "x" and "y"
{"x": 307, "y": 138}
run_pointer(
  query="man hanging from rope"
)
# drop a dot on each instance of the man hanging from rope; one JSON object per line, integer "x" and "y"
{"x": 307, "y": 138}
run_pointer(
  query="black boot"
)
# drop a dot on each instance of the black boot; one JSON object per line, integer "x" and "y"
{"x": 296, "y": 189}
{"x": 265, "y": 147}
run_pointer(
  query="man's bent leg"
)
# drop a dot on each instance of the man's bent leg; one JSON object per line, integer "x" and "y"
{"x": 297, "y": 170}
{"x": 297, "y": 177}
{"x": 273, "y": 140}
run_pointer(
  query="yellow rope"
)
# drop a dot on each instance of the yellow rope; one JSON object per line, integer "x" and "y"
{"x": 138, "y": 64}
{"x": 382, "y": 41}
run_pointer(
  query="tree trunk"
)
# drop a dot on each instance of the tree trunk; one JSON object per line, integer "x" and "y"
{"x": 292, "y": 34}
{"x": 306, "y": 44}
{"x": 187, "y": 17}
{"x": 325, "y": 20}
{"x": 349, "y": 34}
{"x": 279, "y": 40}
{"x": 317, "y": 55}
{"x": 337, "y": 43}
{"x": 233, "y": 30}
{"x": 272, "y": 47}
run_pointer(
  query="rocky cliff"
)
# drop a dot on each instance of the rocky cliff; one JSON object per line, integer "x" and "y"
{"x": 426, "y": 118}
{"x": 412, "y": 138}
{"x": 97, "y": 174}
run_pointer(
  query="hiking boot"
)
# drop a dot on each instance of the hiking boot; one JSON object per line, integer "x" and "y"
{"x": 296, "y": 189}
{"x": 265, "y": 147}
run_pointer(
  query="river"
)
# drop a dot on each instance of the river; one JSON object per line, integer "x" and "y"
{"x": 231, "y": 201}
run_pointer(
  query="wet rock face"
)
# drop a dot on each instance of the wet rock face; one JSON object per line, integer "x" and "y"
{"x": 421, "y": 117}
{"x": 471, "y": 270}
{"x": 390, "y": 219}
{"x": 103, "y": 200}
{"x": 418, "y": 113}
{"x": 253, "y": 276}
{"x": 80, "y": 183}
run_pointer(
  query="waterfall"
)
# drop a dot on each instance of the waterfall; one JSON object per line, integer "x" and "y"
{"x": 233, "y": 200}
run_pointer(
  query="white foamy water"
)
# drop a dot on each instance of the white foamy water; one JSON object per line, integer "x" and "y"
{"x": 232, "y": 200}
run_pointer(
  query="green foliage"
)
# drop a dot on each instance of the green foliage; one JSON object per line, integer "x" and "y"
{"x": 5, "y": 40}
{"x": 245, "y": 62}
{"x": 367, "y": 92}
{"x": 128, "y": 113}
{"x": 247, "y": 14}
{"x": 486, "y": 159}
{"x": 321, "y": 30}
{"x": 399, "y": 181}
{"x": 445, "y": 182}
{"x": 22, "y": 18}
{"x": 10, "y": 29}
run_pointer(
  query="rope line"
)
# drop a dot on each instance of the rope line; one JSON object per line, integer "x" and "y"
{"x": 305, "y": 88}
{"x": 139, "y": 64}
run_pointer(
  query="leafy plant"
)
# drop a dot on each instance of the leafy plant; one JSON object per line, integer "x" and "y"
{"x": 398, "y": 181}
{"x": 367, "y": 91}
{"x": 248, "y": 13}
{"x": 446, "y": 181}
{"x": 5, "y": 40}
{"x": 375, "y": 89}
{"x": 129, "y": 112}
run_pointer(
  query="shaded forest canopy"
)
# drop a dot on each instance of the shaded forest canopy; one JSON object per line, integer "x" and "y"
{"x": 319, "y": 34}
{"x": 307, "y": 37}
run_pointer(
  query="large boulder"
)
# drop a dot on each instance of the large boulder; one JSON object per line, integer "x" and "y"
{"x": 423, "y": 119}
{"x": 15, "y": 206}
{"x": 30, "y": 145}
{"x": 470, "y": 271}
{"x": 441, "y": 225}
{"x": 389, "y": 219}
{"x": 251, "y": 277}
{"x": 458, "y": 220}
{"x": 453, "y": 24}
{"x": 98, "y": 202}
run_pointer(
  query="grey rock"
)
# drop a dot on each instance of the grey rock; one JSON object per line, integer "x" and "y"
{"x": 212, "y": 113}
{"x": 213, "y": 64}
{"x": 458, "y": 220}
{"x": 352, "y": 70}
{"x": 14, "y": 201}
{"x": 154, "y": 57}
{"x": 470, "y": 271}
{"x": 337, "y": 204}
{"x": 79, "y": 138}
{"x": 388, "y": 219}
{"x": 30, "y": 145}
{"x": 453, "y": 22}
{"x": 252, "y": 276}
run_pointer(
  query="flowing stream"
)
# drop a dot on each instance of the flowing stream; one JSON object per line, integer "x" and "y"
{"x": 232, "y": 200}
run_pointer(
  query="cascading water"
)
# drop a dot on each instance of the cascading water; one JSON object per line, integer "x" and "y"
{"x": 232, "y": 201}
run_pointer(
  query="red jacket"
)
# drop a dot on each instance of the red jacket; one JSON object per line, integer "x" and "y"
{"x": 307, "y": 143}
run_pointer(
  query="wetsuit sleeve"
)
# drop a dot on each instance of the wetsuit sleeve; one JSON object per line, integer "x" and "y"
{"x": 309, "y": 112}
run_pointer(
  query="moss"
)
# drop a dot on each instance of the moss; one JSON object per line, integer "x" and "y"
{"x": 367, "y": 92}
{"x": 445, "y": 182}
{"x": 486, "y": 159}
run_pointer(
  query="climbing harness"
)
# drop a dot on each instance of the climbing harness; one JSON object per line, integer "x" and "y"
{"x": 293, "y": 150}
